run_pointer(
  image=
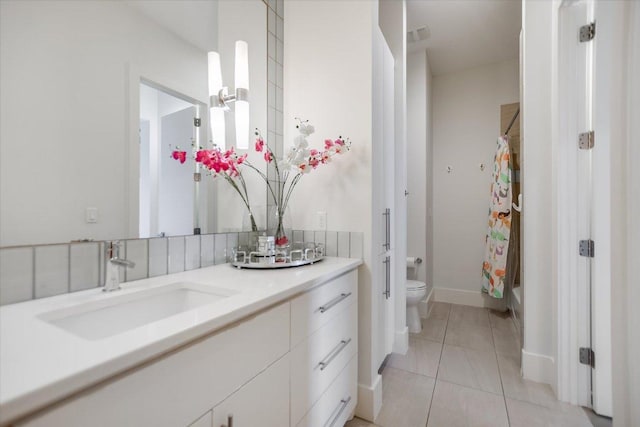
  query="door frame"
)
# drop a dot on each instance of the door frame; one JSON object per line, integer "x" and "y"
{"x": 573, "y": 378}
{"x": 580, "y": 318}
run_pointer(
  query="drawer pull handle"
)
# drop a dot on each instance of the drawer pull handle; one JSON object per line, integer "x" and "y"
{"x": 333, "y": 302}
{"x": 325, "y": 362}
{"x": 340, "y": 409}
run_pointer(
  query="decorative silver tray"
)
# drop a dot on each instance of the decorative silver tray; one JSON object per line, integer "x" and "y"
{"x": 277, "y": 259}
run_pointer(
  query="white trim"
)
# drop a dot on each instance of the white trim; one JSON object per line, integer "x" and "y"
{"x": 572, "y": 309}
{"x": 538, "y": 367}
{"x": 472, "y": 298}
{"x": 401, "y": 341}
{"x": 369, "y": 400}
{"x": 458, "y": 296}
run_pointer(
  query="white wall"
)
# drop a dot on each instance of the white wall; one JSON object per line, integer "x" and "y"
{"x": 466, "y": 125}
{"x": 539, "y": 46}
{"x": 419, "y": 168}
{"x": 64, "y": 105}
{"x": 328, "y": 81}
{"x": 625, "y": 292}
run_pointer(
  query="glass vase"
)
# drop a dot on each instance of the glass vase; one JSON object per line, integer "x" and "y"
{"x": 280, "y": 227}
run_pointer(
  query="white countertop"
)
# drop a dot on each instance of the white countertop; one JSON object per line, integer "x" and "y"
{"x": 41, "y": 363}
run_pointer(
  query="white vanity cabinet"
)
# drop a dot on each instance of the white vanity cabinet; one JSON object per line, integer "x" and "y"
{"x": 325, "y": 322}
{"x": 176, "y": 389}
{"x": 264, "y": 401}
{"x": 294, "y": 364}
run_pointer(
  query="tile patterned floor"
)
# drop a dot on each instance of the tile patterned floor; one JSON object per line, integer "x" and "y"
{"x": 463, "y": 369}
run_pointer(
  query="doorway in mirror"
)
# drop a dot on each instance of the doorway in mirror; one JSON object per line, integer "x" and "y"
{"x": 169, "y": 202}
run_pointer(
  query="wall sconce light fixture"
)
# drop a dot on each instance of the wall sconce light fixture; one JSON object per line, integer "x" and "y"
{"x": 219, "y": 97}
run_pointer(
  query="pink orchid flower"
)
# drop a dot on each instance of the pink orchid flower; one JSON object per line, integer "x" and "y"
{"x": 328, "y": 144}
{"x": 259, "y": 145}
{"x": 180, "y": 155}
{"x": 339, "y": 142}
{"x": 268, "y": 156}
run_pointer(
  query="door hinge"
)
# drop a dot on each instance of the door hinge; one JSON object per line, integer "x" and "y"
{"x": 586, "y": 140}
{"x": 587, "y": 356}
{"x": 587, "y": 32}
{"x": 587, "y": 248}
{"x": 197, "y": 121}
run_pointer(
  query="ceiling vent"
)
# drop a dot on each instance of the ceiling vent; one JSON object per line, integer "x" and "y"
{"x": 419, "y": 34}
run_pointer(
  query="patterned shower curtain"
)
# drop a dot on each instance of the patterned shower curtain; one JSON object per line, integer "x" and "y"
{"x": 497, "y": 239}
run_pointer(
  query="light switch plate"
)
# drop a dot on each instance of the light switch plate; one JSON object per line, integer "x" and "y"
{"x": 322, "y": 220}
{"x": 91, "y": 215}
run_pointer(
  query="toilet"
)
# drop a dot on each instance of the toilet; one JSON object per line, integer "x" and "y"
{"x": 416, "y": 291}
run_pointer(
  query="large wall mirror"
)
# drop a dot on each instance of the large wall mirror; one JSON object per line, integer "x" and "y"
{"x": 96, "y": 94}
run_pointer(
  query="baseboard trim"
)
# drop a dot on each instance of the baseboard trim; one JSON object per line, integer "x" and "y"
{"x": 459, "y": 296}
{"x": 401, "y": 341}
{"x": 472, "y": 298}
{"x": 369, "y": 400}
{"x": 539, "y": 368}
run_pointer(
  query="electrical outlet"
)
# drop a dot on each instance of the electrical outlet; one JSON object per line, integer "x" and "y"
{"x": 322, "y": 220}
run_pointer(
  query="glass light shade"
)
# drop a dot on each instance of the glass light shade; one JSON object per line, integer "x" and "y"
{"x": 242, "y": 125}
{"x": 242, "y": 65}
{"x": 217, "y": 127}
{"x": 216, "y": 113}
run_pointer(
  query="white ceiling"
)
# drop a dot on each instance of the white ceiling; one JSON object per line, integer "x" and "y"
{"x": 465, "y": 33}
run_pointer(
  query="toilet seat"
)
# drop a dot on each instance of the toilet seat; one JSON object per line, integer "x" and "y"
{"x": 415, "y": 285}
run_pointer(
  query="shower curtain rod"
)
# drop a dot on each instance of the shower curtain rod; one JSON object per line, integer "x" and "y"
{"x": 513, "y": 120}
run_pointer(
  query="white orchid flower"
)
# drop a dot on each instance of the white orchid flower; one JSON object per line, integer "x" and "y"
{"x": 300, "y": 142}
{"x": 306, "y": 129}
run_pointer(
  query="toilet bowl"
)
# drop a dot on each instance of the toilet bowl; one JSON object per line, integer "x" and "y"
{"x": 416, "y": 291}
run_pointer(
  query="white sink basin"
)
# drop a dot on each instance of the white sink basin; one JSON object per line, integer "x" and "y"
{"x": 117, "y": 314}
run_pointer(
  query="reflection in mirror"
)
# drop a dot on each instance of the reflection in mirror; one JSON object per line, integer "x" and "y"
{"x": 169, "y": 194}
{"x": 70, "y": 78}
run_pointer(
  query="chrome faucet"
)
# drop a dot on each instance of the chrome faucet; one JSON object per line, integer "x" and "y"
{"x": 112, "y": 266}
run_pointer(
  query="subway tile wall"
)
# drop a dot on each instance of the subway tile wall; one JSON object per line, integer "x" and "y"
{"x": 32, "y": 272}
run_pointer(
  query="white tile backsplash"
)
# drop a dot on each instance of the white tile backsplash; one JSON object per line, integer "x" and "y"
{"x": 271, "y": 70}
{"x": 52, "y": 270}
{"x": 271, "y": 21}
{"x": 280, "y": 28}
{"x": 137, "y": 252}
{"x": 157, "y": 257}
{"x": 192, "y": 252}
{"x": 356, "y": 247}
{"x": 85, "y": 266}
{"x": 16, "y": 275}
{"x": 206, "y": 250}
{"x": 271, "y": 46}
{"x": 220, "y": 254}
{"x": 344, "y": 241}
{"x": 309, "y": 236}
{"x": 176, "y": 254}
{"x": 279, "y": 52}
{"x": 331, "y": 245}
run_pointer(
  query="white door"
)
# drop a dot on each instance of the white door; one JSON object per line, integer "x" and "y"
{"x": 176, "y": 194}
{"x": 585, "y": 130}
{"x": 383, "y": 180}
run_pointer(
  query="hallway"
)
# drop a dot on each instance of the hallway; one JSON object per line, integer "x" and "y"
{"x": 463, "y": 369}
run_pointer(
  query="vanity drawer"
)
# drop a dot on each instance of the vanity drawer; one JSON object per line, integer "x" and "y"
{"x": 315, "y": 308}
{"x": 178, "y": 387}
{"x": 317, "y": 361}
{"x": 337, "y": 404}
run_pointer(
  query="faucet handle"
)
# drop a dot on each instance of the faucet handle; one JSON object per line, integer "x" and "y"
{"x": 113, "y": 249}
